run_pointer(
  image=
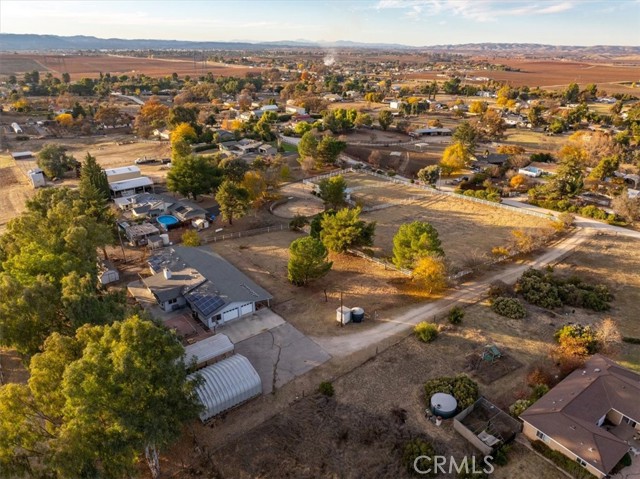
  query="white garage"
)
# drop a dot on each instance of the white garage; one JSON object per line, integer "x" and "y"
{"x": 246, "y": 309}
{"x": 229, "y": 315}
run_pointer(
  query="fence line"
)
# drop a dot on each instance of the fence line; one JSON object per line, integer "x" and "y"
{"x": 379, "y": 261}
{"x": 428, "y": 189}
{"x": 242, "y": 234}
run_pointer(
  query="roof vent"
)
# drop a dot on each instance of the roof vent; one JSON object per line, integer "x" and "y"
{"x": 572, "y": 428}
{"x": 596, "y": 370}
{"x": 584, "y": 372}
{"x": 591, "y": 449}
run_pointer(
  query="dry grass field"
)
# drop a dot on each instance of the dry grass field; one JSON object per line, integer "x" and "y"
{"x": 555, "y": 74}
{"x": 614, "y": 261}
{"x": 364, "y": 427}
{"x": 264, "y": 258}
{"x": 15, "y": 189}
{"x": 466, "y": 229}
{"x": 90, "y": 66}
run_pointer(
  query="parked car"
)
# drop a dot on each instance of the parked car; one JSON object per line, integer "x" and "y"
{"x": 144, "y": 160}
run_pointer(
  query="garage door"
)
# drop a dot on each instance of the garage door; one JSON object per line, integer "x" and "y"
{"x": 229, "y": 315}
{"x": 246, "y": 309}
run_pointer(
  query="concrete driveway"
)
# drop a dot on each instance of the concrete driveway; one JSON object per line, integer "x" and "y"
{"x": 281, "y": 354}
{"x": 275, "y": 348}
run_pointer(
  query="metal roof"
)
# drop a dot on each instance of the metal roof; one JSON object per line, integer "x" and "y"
{"x": 132, "y": 183}
{"x": 226, "y": 384}
{"x": 121, "y": 170}
{"x": 207, "y": 349}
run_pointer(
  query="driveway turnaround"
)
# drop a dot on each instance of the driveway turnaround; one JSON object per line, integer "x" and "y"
{"x": 281, "y": 354}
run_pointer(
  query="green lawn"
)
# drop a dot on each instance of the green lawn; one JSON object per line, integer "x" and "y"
{"x": 289, "y": 148}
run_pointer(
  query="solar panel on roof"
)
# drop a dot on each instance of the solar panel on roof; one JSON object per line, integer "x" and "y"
{"x": 206, "y": 303}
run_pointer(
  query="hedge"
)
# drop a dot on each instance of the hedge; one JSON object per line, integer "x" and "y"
{"x": 572, "y": 467}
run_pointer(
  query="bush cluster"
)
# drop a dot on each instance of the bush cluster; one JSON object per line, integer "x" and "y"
{"x": 326, "y": 388}
{"x": 579, "y": 335}
{"x": 509, "y": 307}
{"x": 589, "y": 211}
{"x": 416, "y": 448}
{"x": 545, "y": 290}
{"x": 460, "y": 387}
{"x": 455, "y": 315}
{"x": 426, "y": 332}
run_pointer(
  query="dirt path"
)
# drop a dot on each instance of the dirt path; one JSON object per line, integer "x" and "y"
{"x": 465, "y": 293}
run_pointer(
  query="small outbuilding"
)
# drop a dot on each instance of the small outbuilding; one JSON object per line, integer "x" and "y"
{"x": 107, "y": 272}
{"x": 226, "y": 384}
{"x": 209, "y": 351}
{"x": 36, "y": 176}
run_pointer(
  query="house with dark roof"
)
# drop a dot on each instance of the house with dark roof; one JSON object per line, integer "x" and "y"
{"x": 214, "y": 289}
{"x": 592, "y": 416}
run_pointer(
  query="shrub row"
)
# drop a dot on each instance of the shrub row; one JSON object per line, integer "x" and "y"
{"x": 590, "y": 211}
{"x": 572, "y": 467}
{"x": 488, "y": 195}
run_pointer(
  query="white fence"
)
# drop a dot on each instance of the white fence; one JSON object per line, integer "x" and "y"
{"x": 243, "y": 234}
{"x": 429, "y": 189}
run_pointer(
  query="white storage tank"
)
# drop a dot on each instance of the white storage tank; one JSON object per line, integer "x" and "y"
{"x": 343, "y": 315}
{"x": 165, "y": 239}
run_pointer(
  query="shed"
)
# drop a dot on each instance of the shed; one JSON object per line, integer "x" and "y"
{"x": 209, "y": 350}
{"x": 22, "y": 155}
{"x": 108, "y": 272}
{"x": 226, "y": 384}
{"x": 37, "y": 177}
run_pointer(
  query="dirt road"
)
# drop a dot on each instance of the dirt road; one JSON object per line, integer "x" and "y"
{"x": 465, "y": 293}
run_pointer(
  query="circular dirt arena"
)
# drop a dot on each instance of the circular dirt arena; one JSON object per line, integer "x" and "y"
{"x": 299, "y": 206}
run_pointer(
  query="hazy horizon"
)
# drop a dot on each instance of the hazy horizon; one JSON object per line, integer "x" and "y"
{"x": 407, "y": 22}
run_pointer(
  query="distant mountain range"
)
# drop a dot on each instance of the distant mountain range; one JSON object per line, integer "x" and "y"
{"x": 30, "y": 42}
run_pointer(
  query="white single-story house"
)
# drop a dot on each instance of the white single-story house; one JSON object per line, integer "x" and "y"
{"x": 226, "y": 384}
{"x": 130, "y": 187}
{"x": 293, "y": 109}
{"x": 122, "y": 173}
{"x": 163, "y": 134}
{"x": 215, "y": 290}
{"x": 531, "y": 171}
{"x": 431, "y": 132}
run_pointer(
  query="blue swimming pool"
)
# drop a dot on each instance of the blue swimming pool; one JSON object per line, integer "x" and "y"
{"x": 168, "y": 221}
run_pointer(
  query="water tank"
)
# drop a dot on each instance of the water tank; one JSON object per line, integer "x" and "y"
{"x": 357, "y": 315}
{"x": 444, "y": 405}
{"x": 165, "y": 239}
{"x": 343, "y": 315}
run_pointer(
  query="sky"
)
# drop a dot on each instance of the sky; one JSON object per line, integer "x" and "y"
{"x": 408, "y": 22}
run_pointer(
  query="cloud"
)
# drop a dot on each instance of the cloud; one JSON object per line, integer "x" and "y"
{"x": 477, "y": 10}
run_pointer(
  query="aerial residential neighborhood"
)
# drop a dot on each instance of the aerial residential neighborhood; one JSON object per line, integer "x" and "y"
{"x": 360, "y": 239}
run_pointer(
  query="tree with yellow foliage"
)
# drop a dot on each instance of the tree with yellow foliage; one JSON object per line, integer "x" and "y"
{"x": 254, "y": 182}
{"x": 517, "y": 181}
{"x": 431, "y": 273}
{"x": 65, "y": 120}
{"x": 455, "y": 158}
{"x": 183, "y": 132}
